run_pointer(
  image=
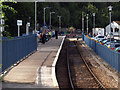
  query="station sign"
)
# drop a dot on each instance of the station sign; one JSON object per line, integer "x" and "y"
{"x": 2, "y": 21}
{"x": 28, "y": 23}
{"x": 19, "y": 22}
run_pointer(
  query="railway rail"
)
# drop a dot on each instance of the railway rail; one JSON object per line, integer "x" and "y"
{"x": 88, "y": 78}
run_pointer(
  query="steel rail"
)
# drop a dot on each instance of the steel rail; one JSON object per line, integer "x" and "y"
{"x": 97, "y": 80}
{"x": 68, "y": 64}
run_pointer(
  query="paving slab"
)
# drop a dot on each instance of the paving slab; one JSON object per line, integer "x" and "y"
{"x": 38, "y": 70}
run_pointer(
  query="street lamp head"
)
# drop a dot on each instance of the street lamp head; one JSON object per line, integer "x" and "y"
{"x": 59, "y": 16}
{"x": 52, "y": 12}
{"x": 110, "y": 8}
{"x": 47, "y": 7}
{"x": 93, "y": 14}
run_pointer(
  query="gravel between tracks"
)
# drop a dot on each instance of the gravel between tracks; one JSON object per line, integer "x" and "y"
{"x": 80, "y": 75}
{"x": 104, "y": 72}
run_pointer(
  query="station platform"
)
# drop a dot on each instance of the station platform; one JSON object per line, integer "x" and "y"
{"x": 38, "y": 70}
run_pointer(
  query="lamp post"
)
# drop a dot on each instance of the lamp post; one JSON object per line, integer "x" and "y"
{"x": 50, "y": 19}
{"x": 35, "y": 15}
{"x": 44, "y": 15}
{"x": 59, "y": 22}
{"x": 82, "y": 23}
{"x": 29, "y": 21}
{"x": 110, "y": 9}
{"x": 93, "y": 24}
{"x": 87, "y": 23}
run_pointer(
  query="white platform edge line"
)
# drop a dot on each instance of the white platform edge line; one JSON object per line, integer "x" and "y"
{"x": 54, "y": 64}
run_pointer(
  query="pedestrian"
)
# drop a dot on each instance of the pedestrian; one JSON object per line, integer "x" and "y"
{"x": 49, "y": 34}
{"x": 56, "y": 34}
{"x": 43, "y": 36}
{"x": 38, "y": 38}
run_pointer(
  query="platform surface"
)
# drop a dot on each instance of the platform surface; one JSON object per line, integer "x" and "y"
{"x": 37, "y": 69}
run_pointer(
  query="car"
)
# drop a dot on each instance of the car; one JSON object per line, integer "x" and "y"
{"x": 108, "y": 40}
{"x": 114, "y": 45}
{"x": 117, "y": 49}
{"x": 101, "y": 40}
{"x": 99, "y": 37}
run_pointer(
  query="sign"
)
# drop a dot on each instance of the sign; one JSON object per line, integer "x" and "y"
{"x": 28, "y": 23}
{"x": 2, "y": 21}
{"x": 19, "y": 22}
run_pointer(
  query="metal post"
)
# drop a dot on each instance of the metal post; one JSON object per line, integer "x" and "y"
{"x": 18, "y": 30}
{"x": 27, "y": 29}
{"x": 93, "y": 24}
{"x": 59, "y": 22}
{"x": 110, "y": 28}
{"x": 50, "y": 20}
{"x": 35, "y": 15}
{"x": 110, "y": 9}
{"x": 44, "y": 17}
{"x": 82, "y": 23}
{"x": 87, "y": 23}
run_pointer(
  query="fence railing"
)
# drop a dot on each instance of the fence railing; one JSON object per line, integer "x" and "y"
{"x": 110, "y": 56}
{"x": 17, "y": 48}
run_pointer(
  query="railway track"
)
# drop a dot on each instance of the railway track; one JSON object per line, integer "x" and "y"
{"x": 80, "y": 74}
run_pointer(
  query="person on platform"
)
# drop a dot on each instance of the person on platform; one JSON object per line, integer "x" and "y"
{"x": 43, "y": 37}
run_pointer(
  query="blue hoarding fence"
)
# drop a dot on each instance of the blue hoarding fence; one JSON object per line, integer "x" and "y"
{"x": 110, "y": 56}
{"x": 17, "y": 48}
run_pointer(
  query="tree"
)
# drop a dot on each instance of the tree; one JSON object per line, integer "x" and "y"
{"x": 71, "y": 13}
{"x": 3, "y": 8}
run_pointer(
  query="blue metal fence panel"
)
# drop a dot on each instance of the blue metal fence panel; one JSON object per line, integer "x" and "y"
{"x": 118, "y": 62}
{"x": 110, "y": 56}
{"x": 17, "y": 48}
{"x": 0, "y": 54}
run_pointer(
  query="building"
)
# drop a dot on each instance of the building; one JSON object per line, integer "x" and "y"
{"x": 115, "y": 29}
{"x": 98, "y": 31}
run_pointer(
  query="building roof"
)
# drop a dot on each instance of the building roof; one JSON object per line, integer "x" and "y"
{"x": 118, "y": 22}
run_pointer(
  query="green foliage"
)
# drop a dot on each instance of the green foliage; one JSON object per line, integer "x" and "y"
{"x": 90, "y": 9}
{"x": 71, "y": 14}
{"x": 4, "y": 8}
{"x": 9, "y": 8}
{"x": 7, "y": 34}
{"x": 0, "y": 68}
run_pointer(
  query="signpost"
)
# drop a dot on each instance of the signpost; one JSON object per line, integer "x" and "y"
{"x": 27, "y": 28}
{"x": 2, "y": 26}
{"x": 19, "y": 23}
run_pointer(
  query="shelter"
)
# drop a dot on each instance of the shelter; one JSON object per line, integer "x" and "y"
{"x": 115, "y": 29}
